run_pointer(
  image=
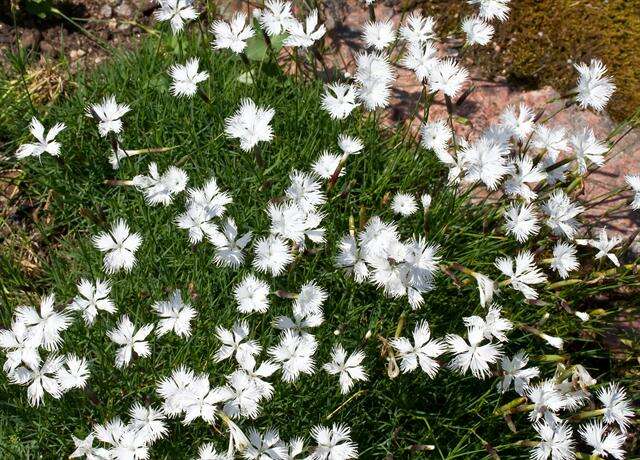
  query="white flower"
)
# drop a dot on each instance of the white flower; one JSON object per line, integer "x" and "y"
{"x": 45, "y": 326}
{"x": 161, "y": 188}
{"x": 46, "y": 143}
{"x": 421, "y": 58}
{"x": 311, "y": 297}
{"x": 126, "y": 441}
{"x": 350, "y": 145}
{"x": 91, "y": 298}
{"x": 348, "y": 368}
{"x": 339, "y": 100}
{"x": 553, "y": 140}
{"x": 490, "y": 9}
{"x": 250, "y": 124}
{"x": 186, "y": 78}
{"x": 177, "y": 12}
{"x": 84, "y": 448}
{"x": 603, "y": 444}
{"x": 302, "y": 319}
{"x": 522, "y": 272}
{"x": 175, "y": 390}
{"x": 200, "y": 401}
{"x": 421, "y": 353}
{"x": 436, "y": 135}
{"x": 521, "y": 221}
{"x": 40, "y": 379}
{"x": 374, "y": 74}
{"x": 417, "y": 29}
{"x": 304, "y": 36}
{"x": 175, "y": 315}
{"x": 404, "y": 204}
{"x": 73, "y": 373}
{"x": 119, "y": 246}
{"x": 233, "y": 34}
{"x": 604, "y": 245}
{"x": 327, "y": 164}
{"x": 207, "y": 451}
{"x": 617, "y": 408}
{"x": 633, "y": 180}
{"x": 586, "y": 147}
{"x": 275, "y": 16}
{"x": 108, "y": 114}
{"x": 198, "y": 222}
{"x": 19, "y": 347}
{"x": 234, "y": 343}
{"x": 333, "y": 443}
{"x": 149, "y": 421}
{"x": 555, "y": 441}
{"x": 264, "y": 447}
{"x": 594, "y": 87}
{"x": 378, "y": 34}
{"x": 477, "y": 31}
{"x": 525, "y": 172}
{"x": 305, "y": 191}
{"x": 349, "y": 258}
{"x": 515, "y": 371}
{"x": 295, "y": 354}
{"x": 241, "y": 396}
{"x": 492, "y": 326}
{"x": 561, "y": 213}
{"x": 258, "y": 375}
{"x": 209, "y": 197}
{"x": 252, "y": 295}
{"x": 518, "y": 121}
{"x": 129, "y": 340}
{"x": 294, "y": 448}
{"x": 472, "y": 355}
{"x": 228, "y": 245}
{"x": 272, "y": 254}
{"x": 546, "y": 399}
{"x": 486, "y": 161}
{"x": 564, "y": 259}
{"x": 447, "y": 76}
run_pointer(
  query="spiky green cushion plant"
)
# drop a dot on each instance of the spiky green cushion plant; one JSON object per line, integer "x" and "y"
{"x": 452, "y": 414}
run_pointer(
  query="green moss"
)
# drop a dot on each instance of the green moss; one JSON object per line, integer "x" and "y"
{"x": 542, "y": 39}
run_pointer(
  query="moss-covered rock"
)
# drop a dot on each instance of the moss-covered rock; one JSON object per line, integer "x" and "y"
{"x": 542, "y": 40}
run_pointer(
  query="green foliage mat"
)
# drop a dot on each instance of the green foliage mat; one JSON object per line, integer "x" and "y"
{"x": 398, "y": 416}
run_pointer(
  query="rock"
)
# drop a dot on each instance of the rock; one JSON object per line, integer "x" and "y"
{"x": 124, "y": 11}
{"x": 76, "y": 54}
{"x": 30, "y": 38}
{"x": 105, "y": 12}
{"x": 48, "y": 48}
